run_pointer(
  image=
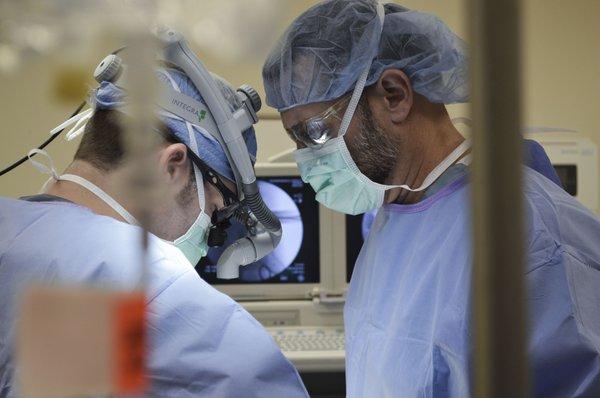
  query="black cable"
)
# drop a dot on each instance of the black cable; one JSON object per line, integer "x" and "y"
{"x": 52, "y": 137}
{"x": 118, "y": 50}
{"x": 208, "y": 174}
{"x": 42, "y": 146}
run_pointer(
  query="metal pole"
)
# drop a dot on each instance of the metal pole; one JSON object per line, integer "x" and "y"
{"x": 140, "y": 140}
{"x": 500, "y": 366}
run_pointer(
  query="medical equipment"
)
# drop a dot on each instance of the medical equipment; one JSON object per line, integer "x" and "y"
{"x": 264, "y": 235}
{"x": 294, "y": 269}
{"x": 306, "y": 295}
{"x": 296, "y": 258}
{"x": 319, "y": 129}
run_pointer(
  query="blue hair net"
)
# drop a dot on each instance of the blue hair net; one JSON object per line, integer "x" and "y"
{"x": 109, "y": 96}
{"x": 326, "y": 49}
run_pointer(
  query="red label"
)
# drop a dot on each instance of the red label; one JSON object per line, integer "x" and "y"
{"x": 130, "y": 343}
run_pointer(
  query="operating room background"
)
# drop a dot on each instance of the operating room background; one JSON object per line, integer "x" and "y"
{"x": 560, "y": 83}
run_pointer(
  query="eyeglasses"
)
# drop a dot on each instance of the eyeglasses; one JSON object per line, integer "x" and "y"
{"x": 319, "y": 129}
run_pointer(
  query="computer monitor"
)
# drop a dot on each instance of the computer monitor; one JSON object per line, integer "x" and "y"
{"x": 357, "y": 230}
{"x": 575, "y": 159}
{"x": 567, "y": 173}
{"x": 292, "y": 270}
{"x": 295, "y": 260}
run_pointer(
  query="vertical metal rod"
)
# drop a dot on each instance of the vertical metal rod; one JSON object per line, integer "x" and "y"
{"x": 140, "y": 139}
{"x": 500, "y": 366}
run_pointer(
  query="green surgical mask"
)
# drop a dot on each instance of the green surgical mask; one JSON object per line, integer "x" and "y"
{"x": 194, "y": 243}
{"x": 340, "y": 185}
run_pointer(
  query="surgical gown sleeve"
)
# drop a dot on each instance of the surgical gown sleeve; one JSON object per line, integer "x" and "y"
{"x": 537, "y": 159}
{"x": 207, "y": 345}
{"x": 201, "y": 342}
{"x": 563, "y": 277}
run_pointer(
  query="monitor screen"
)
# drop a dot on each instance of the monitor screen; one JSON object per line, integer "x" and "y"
{"x": 568, "y": 176}
{"x": 296, "y": 258}
{"x": 357, "y": 230}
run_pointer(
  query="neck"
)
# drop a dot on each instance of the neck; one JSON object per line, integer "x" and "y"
{"x": 429, "y": 144}
{"x": 108, "y": 182}
{"x": 168, "y": 222}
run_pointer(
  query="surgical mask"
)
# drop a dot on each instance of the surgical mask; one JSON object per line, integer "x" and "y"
{"x": 335, "y": 177}
{"x": 193, "y": 244}
{"x": 339, "y": 184}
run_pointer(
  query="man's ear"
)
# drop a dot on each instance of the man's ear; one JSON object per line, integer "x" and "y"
{"x": 173, "y": 162}
{"x": 395, "y": 94}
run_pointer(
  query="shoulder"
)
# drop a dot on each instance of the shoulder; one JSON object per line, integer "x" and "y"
{"x": 556, "y": 222}
{"x": 204, "y": 342}
{"x": 69, "y": 243}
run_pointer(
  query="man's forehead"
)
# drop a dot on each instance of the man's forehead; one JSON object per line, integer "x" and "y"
{"x": 293, "y": 116}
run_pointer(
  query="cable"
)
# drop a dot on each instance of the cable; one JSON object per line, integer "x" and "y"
{"x": 118, "y": 50}
{"x": 42, "y": 146}
{"x": 52, "y": 137}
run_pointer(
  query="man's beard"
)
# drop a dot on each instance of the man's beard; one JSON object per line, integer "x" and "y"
{"x": 186, "y": 196}
{"x": 374, "y": 152}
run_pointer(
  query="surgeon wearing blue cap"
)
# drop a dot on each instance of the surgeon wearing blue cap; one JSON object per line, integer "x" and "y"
{"x": 362, "y": 90}
{"x": 83, "y": 230}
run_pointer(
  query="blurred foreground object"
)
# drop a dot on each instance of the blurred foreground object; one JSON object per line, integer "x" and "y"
{"x": 92, "y": 342}
{"x": 76, "y": 340}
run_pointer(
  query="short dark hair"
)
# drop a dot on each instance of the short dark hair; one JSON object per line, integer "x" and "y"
{"x": 102, "y": 142}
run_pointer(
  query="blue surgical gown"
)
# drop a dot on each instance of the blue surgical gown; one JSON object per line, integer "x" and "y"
{"x": 407, "y": 312}
{"x": 202, "y": 343}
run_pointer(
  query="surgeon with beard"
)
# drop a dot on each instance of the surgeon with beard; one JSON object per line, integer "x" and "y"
{"x": 362, "y": 90}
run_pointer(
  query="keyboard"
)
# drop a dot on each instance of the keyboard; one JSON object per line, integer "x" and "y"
{"x": 309, "y": 339}
{"x": 311, "y": 348}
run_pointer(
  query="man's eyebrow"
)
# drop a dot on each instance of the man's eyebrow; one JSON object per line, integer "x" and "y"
{"x": 292, "y": 126}
{"x": 289, "y": 126}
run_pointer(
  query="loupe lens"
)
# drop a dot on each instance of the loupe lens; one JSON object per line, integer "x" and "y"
{"x": 317, "y": 131}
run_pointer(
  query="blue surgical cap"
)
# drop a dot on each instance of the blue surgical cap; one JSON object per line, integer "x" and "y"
{"x": 325, "y": 50}
{"x": 109, "y": 96}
